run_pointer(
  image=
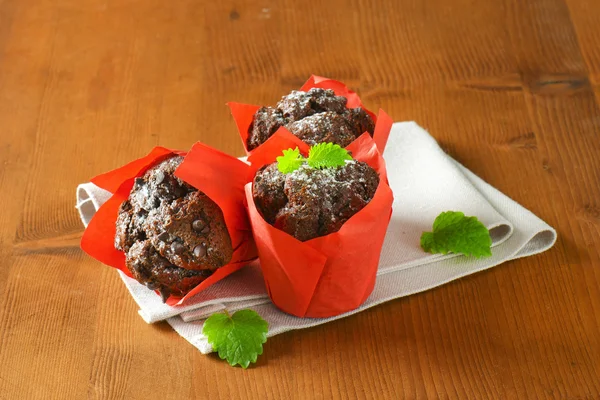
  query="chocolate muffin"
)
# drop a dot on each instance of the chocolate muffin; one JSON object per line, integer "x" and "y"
{"x": 316, "y": 116}
{"x": 173, "y": 235}
{"x": 308, "y": 203}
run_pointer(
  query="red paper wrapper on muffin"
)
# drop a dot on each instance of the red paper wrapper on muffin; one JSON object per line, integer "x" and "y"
{"x": 328, "y": 114}
{"x": 219, "y": 176}
{"x": 327, "y": 275}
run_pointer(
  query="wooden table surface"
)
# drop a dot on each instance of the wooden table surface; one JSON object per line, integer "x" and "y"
{"x": 510, "y": 88}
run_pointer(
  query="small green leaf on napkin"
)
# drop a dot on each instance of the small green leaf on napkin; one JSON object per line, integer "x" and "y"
{"x": 237, "y": 338}
{"x": 453, "y": 232}
{"x": 327, "y": 155}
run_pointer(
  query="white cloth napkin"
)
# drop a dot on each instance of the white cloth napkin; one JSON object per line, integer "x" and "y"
{"x": 425, "y": 182}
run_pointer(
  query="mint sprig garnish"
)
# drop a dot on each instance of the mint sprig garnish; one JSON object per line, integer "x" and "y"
{"x": 290, "y": 161}
{"x": 327, "y": 155}
{"x": 454, "y": 232}
{"x": 238, "y": 338}
{"x": 322, "y": 155}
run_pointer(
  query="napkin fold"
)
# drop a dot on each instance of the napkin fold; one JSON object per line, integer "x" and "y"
{"x": 425, "y": 182}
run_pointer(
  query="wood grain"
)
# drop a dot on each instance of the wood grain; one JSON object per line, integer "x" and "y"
{"x": 510, "y": 88}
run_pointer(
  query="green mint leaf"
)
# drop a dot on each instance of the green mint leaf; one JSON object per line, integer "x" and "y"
{"x": 327, "y": 155}
{"x": 453, "y": 232}
{"x": 237, "y": 338}
{"x": 290, "y": 161}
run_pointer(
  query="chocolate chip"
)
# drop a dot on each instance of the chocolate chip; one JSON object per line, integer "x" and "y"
{"x": 176, "y": 247}
{"x": 154, "y": 202}
{"x": 198, "y": 225}
{"x": 206, "y": 229}
{"x": 163, "y": 236}
{"x": 206, "y": 273}
{"x": 200, "y": 251}
{"x": 160, "y": 176}
{"x": 139, "y": 182}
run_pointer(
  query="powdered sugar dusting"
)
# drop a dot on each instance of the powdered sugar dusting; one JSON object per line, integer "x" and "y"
{"x": 310, "y": 202}
{"x": 316, "y": 121}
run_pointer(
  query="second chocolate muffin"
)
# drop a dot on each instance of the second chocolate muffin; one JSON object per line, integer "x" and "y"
{"x": 173, "y": 235}
{"x": 316, "y": 116}
{"x": 309, "y": 203}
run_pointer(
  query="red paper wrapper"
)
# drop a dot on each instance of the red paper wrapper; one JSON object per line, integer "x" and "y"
{"x": 332, "y": 274}
{"x": 220, "y": 176}
{"x": 244, "y": 113}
